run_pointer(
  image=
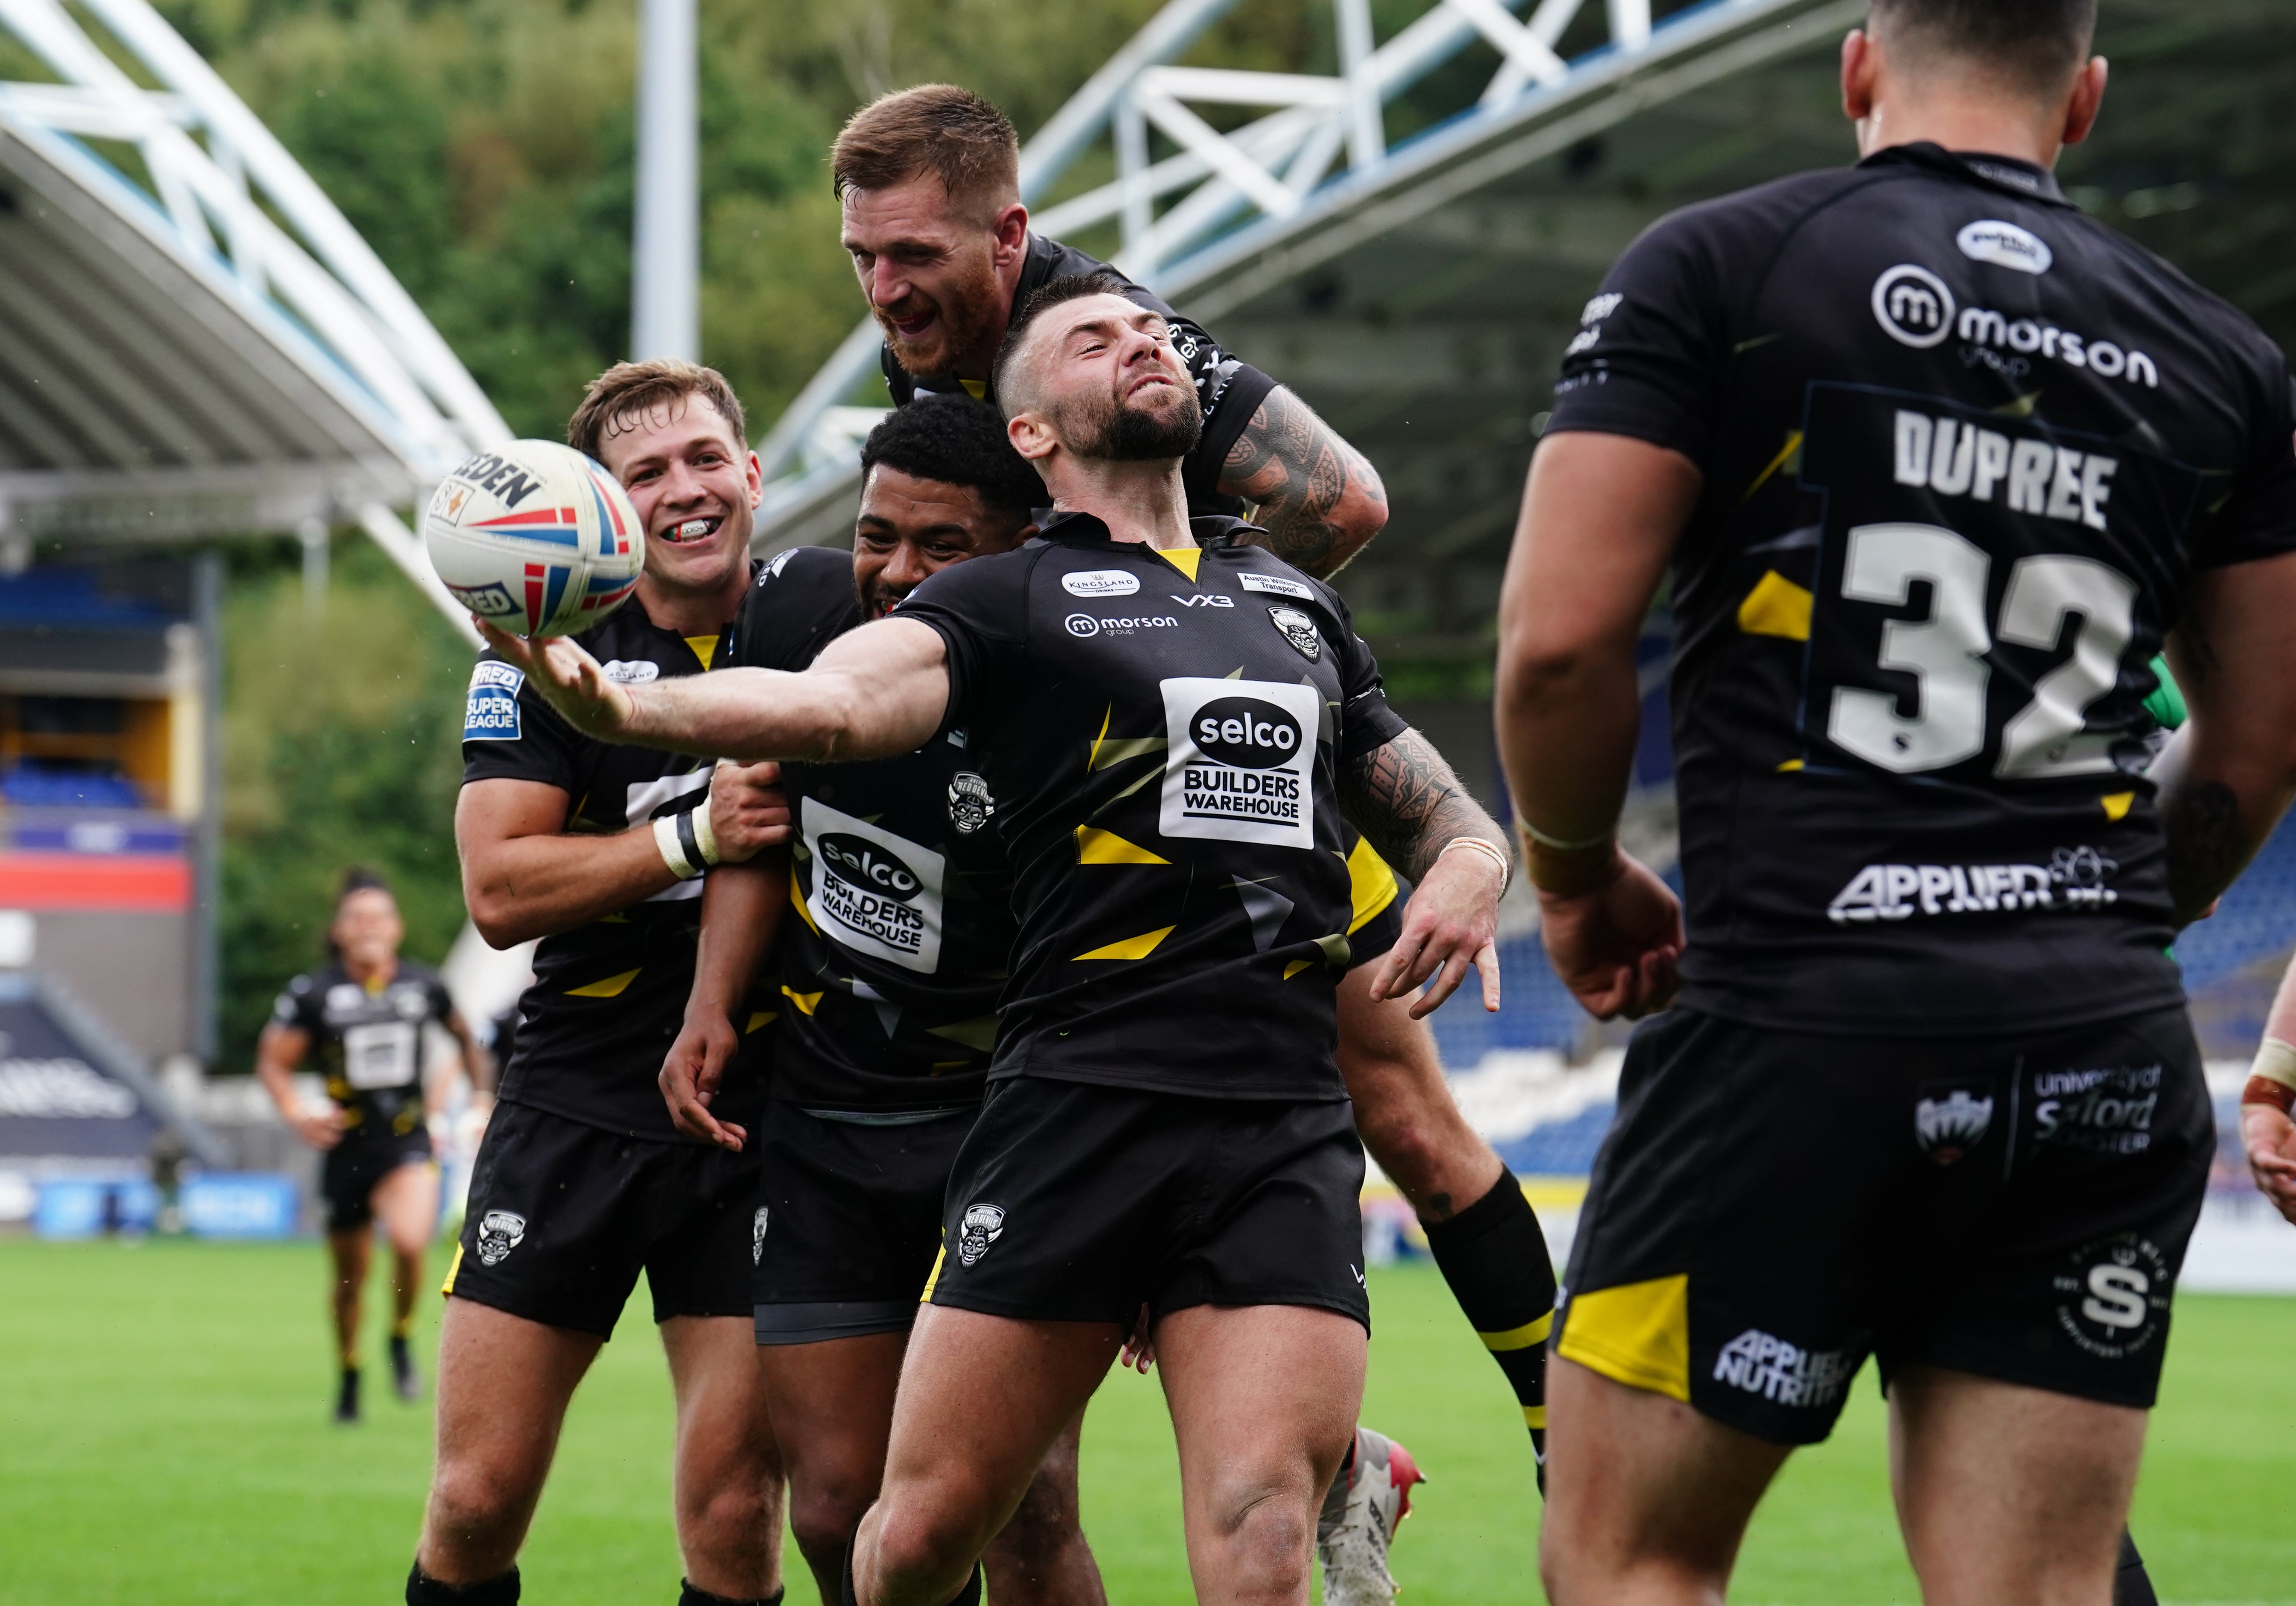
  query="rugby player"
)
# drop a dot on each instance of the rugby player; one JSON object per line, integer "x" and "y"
{"x": 365, "y": 1012}
{"x": 2265, "y": 1130}
{"x": 929, "y": 178}
{"x": 583, "y": 1181}
{"x": 1936, "y": 464}
{"x": 1165, "y": 1126}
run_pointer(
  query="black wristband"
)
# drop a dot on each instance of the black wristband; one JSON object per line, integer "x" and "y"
{"x": 691, "y": 843}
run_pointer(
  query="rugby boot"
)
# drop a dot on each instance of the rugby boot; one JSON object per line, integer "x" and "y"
{"x": 347, "y": 1404}
{"x": 1367, "y": 1504}
{"x": 404, "y": 1378}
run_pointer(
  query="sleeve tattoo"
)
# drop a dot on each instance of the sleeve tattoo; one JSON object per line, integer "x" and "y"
{"x": 1409, "y": 806}
{"x": 2207, "y": 845}
{"x": 1297, "y": 471}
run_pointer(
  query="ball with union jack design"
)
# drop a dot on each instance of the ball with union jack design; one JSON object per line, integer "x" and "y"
{"x": 534, "y": 537}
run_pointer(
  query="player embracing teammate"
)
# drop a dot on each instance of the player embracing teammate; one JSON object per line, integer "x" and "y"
{"x": 1936, "y": 465}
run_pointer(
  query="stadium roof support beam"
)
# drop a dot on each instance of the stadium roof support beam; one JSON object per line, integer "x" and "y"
{"x": 222, "y": 351}
{"x": 1249, "y": 206}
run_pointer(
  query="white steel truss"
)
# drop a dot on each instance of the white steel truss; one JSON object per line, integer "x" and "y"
{"x": 1315, "y": 158}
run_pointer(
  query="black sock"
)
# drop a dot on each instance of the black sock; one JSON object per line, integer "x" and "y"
{"x": 2132, "y": 1585}
{"x": 970, "y": 1596}
{"x": 1495, "y": 1258}
{"x": 688, "y": 1595}
{"x": 424, "y": 1590}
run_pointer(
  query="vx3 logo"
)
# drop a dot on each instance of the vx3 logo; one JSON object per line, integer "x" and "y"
{"x": 1203, "y": 601}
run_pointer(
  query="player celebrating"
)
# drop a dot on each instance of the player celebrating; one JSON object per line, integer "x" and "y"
{"x": 1166, "y": 1127}
{"x": 365, "y": 1011}
{"x": 582, "y": 1180}
{"x": 930, "y": 182}
{"x": 929, "y": 179}
{"x": 1937, "y": 463}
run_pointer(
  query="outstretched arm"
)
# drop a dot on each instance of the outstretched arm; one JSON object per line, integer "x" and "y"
{"x": 876, "y": 692}
{"x": 1411, "y": 809}
{"x": 1319, "y": 500}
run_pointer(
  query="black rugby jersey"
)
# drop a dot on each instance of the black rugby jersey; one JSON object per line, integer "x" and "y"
{"x": 608, "y": 997}
{"x": 1230, "y": 391}
{"x": 1963, "y": 447}
{"x": 367, "y": 1042}
{"x": 1159, "y": 732}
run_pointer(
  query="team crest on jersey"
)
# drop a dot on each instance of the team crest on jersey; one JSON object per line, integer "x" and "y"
{"x": 970, "y": 804}
{"x": 1299, "y": 630}
{"x": 1949, "y": 1124}
{"x": 983, "y": 1225}
{"x": 2114, "y": 1296}
{"x": 757, "y": 1237}
{"x": 499, "y": 1232}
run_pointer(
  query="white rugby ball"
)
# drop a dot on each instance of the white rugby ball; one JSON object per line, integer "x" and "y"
{"x": 534, "y": 537}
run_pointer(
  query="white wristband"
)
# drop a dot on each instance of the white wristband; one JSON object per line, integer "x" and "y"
{"x": 1488, "y": 849}
{"x": 705, "y": 836}
{"x": 1559, "y": 845}
{"x": 673, "y": 851}
{"x": 2276, "y": 1061}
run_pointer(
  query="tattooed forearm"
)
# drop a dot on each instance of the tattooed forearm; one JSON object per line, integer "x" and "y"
{"x": 1318, "y": 499}
{"x": 1409, "y": 806}
{"x": 2207, "y": 844}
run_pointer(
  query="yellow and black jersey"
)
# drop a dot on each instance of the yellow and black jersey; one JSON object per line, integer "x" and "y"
{"x": 1963, "y": 449}
{"x": 366, "y": 1040}
{"x": 1160, "y": 732}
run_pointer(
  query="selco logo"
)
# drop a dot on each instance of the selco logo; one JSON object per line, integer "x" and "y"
{"x": 1245, "y": 732}
{"x": 1100, "y": 582}
{"x": 864, "y": 863}
{"x": 2005, "y": 245}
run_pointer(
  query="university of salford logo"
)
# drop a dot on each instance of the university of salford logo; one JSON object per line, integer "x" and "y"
{"x": 1914, "y": 306}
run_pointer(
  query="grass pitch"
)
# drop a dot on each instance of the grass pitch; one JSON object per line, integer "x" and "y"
{"x": 163, "y": 1437}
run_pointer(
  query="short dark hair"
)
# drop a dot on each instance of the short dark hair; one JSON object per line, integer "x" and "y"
{"x": 1068, "y": 287}
{"x": 358, "y": 878}
{"x": 2032, "y": 44}
{"x": 957, "y": 441}
{"x": 627, "y": 391}
{"x": 936, "y": 129}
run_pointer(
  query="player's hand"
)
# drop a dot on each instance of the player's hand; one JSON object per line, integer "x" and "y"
{"x": 748, "y": 809}
{"x": 569, "y": 679}
{"x": 323, "y": 1129}
{"x": 1448, "y": 924}
{"x": 1139, "y": 1351}
{"x": 2269, "y": 1136}
{"x": 691, "y": 1076}
{"x": 1614, "y": 936}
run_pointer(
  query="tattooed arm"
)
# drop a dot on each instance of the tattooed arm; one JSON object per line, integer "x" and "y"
{"x": 1319, "y": 501}
{"x": 1410, "y": 807}
{"x": 2229, "y": 774}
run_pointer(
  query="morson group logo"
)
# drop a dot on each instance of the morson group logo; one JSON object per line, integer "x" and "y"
{"x": 1914, "y": 306}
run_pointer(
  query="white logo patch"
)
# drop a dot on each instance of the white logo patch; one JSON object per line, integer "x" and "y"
{"x": 983, "y": 1225}
{"x": 1100, "y": 582}
{"x": 631, "y": 672}
{"x": 1241, "y": 766}
{"x": 1914, "y": 306}
{"x": 2005, "y": 245}
{"x": 757, "y": 1237}
{"x": 872, "y": 891}
{"x": 380, "y": 1054}
{"x": 1762, "y": 1363}
{"x": 1272, "y": 584}
{"x": 1299, "y": 630}
{"x": 499, "y": 1232}
{"x": 1945, "y": 1129}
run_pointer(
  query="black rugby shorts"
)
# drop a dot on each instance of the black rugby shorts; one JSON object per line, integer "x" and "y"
{"x": 849, "y": 1220}
{"x": 1769, "y": 1208}
{"x": 562, "y": 1216}
{"x": 1076, "y": 1202}
{"x": 350, "y": 1172}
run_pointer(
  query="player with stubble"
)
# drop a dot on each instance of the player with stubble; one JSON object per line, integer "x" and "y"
{"x": 583, "y": 1181}
{"x": 1165, "y": 1126}
{"x": 1936, "y": 465}
{"x": 928, "y": 179}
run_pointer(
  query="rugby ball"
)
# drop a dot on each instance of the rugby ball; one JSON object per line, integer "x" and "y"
{"x": 534, "y": 538}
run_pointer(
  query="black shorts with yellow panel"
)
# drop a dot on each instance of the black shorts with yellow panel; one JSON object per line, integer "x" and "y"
{"x": 1078, "y": 1201}
{"x": 848, "y": 1217}
{"x": 1769, "y": 1208}
{"x": 564, "y": 1216}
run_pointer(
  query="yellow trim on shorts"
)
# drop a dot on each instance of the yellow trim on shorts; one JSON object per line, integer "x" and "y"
{"x": 933, "y": 1277}
{"x": 1535, "y": 1416}
{"x": 1637, "y": 1334}
{"x": 448, "y": 1287}
{"x": 1519, "y": 1338}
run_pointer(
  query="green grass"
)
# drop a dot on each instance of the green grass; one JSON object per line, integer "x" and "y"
{"x": 163, "y": 1437}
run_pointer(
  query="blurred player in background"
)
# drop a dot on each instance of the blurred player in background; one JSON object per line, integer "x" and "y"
{"x": 929, "y": 178}
{"x": 1937, "y": 464}
{"x": 582, "y": 1180}
{"x": 365, "y": 1012}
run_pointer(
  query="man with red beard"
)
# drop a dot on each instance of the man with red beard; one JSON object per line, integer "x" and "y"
{"x": 929, "y": 179}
